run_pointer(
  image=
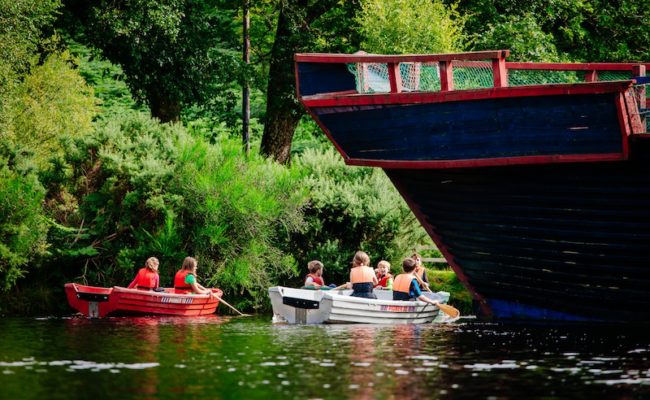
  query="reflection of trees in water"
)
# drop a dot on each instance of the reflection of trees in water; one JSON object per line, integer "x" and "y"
{"x": 370, "y": 361}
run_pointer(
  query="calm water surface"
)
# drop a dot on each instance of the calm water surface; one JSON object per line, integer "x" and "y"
{"x": 249, "y": 358}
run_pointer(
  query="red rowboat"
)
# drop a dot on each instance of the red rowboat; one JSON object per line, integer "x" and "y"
{"x": 98, "y": 302}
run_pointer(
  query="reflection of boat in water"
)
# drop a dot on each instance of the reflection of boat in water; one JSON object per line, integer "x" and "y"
{"x": 98, "y": 302}
{"x": 302, "y": 306}
{"x": 533, "y": 179}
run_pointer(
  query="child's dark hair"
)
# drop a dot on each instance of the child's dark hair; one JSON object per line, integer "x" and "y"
{"x": 408, "y": 265}
{"x": 314, "y": 266}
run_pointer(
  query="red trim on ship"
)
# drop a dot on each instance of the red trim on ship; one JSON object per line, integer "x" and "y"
{"x": 488, "y": 162}
{"x": 334, "y": 100}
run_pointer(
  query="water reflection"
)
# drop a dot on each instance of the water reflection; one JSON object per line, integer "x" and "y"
{"x": 247, "y": 358}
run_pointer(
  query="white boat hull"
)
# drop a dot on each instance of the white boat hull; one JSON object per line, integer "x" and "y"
{"x": 300, "y": 306}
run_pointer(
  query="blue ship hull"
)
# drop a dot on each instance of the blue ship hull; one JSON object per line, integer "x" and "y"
{"x": 538, "y": 196}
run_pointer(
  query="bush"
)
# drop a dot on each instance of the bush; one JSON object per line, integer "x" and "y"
{"x": 351, "y": 209}
{"x": 149, "y": 189}
{"x": 446, "y": 280}
{"x": 23, "y": 226}
{"x": 51, "y": 102}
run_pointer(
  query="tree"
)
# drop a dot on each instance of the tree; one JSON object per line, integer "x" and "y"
{"x": 174, "y": 53}
{"x": 318, "y": 25}
{"x": 21, "y": 26}
{"x": 410, "y": 26}
{"x": 582, "y": 30}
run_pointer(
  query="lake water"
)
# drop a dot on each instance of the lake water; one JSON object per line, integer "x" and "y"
{"x": 250, "y": 358}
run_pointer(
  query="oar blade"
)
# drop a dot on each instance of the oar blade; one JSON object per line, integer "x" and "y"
{"x": 449, "y": 310}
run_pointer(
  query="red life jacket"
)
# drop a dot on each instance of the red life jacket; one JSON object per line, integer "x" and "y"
{"x": 317, "y": 279}
{"x": 383, "y": 281}
{"x": 179, "y": 282}
{"x": 402, "y": 283}
{"x": 362, "y": 274}
{"x": 146, "y": 279}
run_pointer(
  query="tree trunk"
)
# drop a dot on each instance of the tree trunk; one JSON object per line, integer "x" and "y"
{"x": 164, "y": 108}
{"x": 282, "y": 108}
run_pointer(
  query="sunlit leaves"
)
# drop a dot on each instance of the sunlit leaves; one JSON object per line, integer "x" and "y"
{"x": 410, "y": 26}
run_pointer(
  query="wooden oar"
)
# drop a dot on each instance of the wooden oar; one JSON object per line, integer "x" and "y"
{"x": 449, "y": 310}
{"x": 340, "y": 287}
{"x": 445, "y": 308}
{"x": 231, "y": 307}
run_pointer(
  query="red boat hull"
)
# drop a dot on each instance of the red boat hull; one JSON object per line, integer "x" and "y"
{"x": 98, "y": 302}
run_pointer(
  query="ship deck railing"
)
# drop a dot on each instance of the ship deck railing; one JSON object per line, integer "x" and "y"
{"x": 446, "y": 73}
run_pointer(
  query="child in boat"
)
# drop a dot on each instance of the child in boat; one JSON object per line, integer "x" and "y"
{"x": 362, "y": 277}
{"x": 420, "y": 271}
{"x": 384, "y": 278}
{"x": 315, "y": 276}
{"x": 147, "y": 277}
{"x": 185, "y": 279}
{"x": 406, "y": 287}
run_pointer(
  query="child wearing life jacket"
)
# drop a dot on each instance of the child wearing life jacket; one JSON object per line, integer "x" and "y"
{"x": 420, "y": 271}
{"x": 384, "y": 278}
{"x": 362, "y": 277}
{"x": 147, "y": 277}
{"x": 185, "y": 279}
{"x": 315, "y": 276}
{"x": 406, "y": 287}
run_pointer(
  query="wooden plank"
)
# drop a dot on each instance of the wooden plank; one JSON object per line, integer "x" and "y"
{"x": 499, "y": 72}
{"x": 572, "y": 66}
{"x": 395, "y": 78}
{"x": 379, "y": 58}
{"x": 446, "y": 76}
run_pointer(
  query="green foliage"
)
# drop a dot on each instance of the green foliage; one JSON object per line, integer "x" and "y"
{"x": 107, "y": 80}
{"x": 21, "y": 23}
{"x": 586, "y": 30}
{"x": 149, "y": 189}
{"x": 522, "y": 35}
{"x": 351, "y": 209}
{"x": 51, "y": 102}
{"x": 410, "y": 26}
{"x": 174, "y": 53}
{"x": 23, "y": 226}
{"x": 446, "y": 280}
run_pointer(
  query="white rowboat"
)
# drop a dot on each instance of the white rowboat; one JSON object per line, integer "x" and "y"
{"x": 302, "y": 306}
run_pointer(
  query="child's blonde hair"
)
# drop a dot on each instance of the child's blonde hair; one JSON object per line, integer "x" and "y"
{"x": 314, "y": 265}
{"x": 189, "y": 263}
{"x": 384, "y": 263}
{"x": 360, "y": 258}
{"x": 152, "y": 264}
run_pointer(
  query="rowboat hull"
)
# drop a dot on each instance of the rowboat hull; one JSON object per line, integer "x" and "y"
{"x": 299, "y": 306}
{"x": 99, "y": 302}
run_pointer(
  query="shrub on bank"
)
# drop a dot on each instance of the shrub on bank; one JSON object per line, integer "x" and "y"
{"x": 446, "y": 280}
{"x": 135, "y": 188}
{"x": 350, "y": 209}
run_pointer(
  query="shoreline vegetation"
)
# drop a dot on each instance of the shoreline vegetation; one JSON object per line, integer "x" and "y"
{"x": 121, "y": 135}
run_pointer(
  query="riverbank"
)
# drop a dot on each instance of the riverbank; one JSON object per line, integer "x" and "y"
{"x": 446, "y": 280}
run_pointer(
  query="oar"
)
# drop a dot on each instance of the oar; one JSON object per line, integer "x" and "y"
{"x": 449, "y": 310}
{"x": 231, "y": 307}
{"x": 340, "y": 287}
{"x": 445, "y": 308}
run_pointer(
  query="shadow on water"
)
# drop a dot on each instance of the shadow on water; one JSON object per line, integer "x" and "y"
{"x": 217, "y": 357}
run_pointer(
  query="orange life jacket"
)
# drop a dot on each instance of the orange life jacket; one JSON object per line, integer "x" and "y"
{"x": 383, "y": 281}
{"x": 362, "y": 274}
{"x": 419, "y": 271}
{"x": 317, "y": 279}
{"x": 179, "y": 282}
{"x": 402, "y": 283}
{"x": 146, "y": 279}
